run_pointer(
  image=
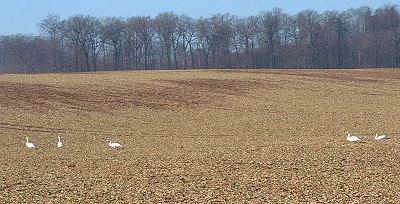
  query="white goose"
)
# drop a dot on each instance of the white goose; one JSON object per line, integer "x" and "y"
{"x": 352, "y": 138}
{"x": 59, "y": 144}
{"x": 381, "y": 137}
{"x": 114, "y": 144}
{"x": 29, "y": 144}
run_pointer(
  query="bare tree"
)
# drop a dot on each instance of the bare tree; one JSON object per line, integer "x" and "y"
{"x": 53, "y": 27}
{"x": 309, "y": 24}
{"x": 391, "y": 19}
{"x": 113, "y": 30}
{"x": 166, "y": 25}
{"x": 375, "y": 28}
{"x": 361, "y": 37}
{"x": 140, "y": 31}
{"x": 247, "y": 29}
{"x": 205, "y": 40}
{"x": 236, "y": 39}
{"x": 188, "y": 38}
{"x": 328, "y": 37}
{"x": 269, "y": 28}
{"x": 82, "y": 32}
{"x": 358, "y": 35}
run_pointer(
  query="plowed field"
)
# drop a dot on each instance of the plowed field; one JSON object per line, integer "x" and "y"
{"x": 216, "y": 136}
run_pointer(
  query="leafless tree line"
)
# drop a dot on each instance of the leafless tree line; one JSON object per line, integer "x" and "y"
{"x": 354, "y": 38}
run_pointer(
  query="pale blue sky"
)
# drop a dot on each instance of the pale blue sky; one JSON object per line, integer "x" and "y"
{"x": 22, "y": 16}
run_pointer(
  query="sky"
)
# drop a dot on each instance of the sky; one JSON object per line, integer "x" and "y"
{"x": 22, "y": 16}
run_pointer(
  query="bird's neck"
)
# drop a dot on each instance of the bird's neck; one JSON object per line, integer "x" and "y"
{"x": 27, "y": 140}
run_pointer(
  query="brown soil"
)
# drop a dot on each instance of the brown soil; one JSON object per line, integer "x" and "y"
{"x": 218, "y": 136}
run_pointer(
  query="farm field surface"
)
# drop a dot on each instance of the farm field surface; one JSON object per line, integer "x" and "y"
{"x": 214, "y": 136}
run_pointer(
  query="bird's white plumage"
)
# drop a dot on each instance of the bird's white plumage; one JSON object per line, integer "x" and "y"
{"x": 59, "y": 144}
{"x": 352, "y": 138}
{"x": 114, "y": 144}
{"x": 381, "y": 137}
{"x": 29, "y": 144}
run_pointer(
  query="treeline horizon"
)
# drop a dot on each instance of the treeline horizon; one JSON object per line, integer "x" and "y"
{"x": 355, "y": 38}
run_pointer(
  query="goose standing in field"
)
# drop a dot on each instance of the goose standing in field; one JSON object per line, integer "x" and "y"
{"x": 352, "y": 138}
{"x": 381, "y": 137}
{"x": 29, "y": 144}
{"x": 114, "y": 144}
{"x": 59, "y": 144}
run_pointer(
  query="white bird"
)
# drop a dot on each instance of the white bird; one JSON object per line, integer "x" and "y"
{"x": 352, "y": 138}
{"x": 114, "y": 144}
{"x": 28, "y": 144}
{"x": 59, "y": 144}
{"x": 381, "y": 137}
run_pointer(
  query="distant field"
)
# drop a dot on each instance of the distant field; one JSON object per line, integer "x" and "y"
{"x": 201, "y": 136}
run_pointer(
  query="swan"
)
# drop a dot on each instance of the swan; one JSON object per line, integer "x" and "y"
{"x": 29, "y": 144}
{"x": 381, "y": 137}
{"x": 114, "y": 144}
{"x": 59, "y": 144}
{"x": 352, "y": 138}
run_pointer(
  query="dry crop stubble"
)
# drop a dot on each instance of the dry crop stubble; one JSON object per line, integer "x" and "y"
{"x": 200, "y": 136}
